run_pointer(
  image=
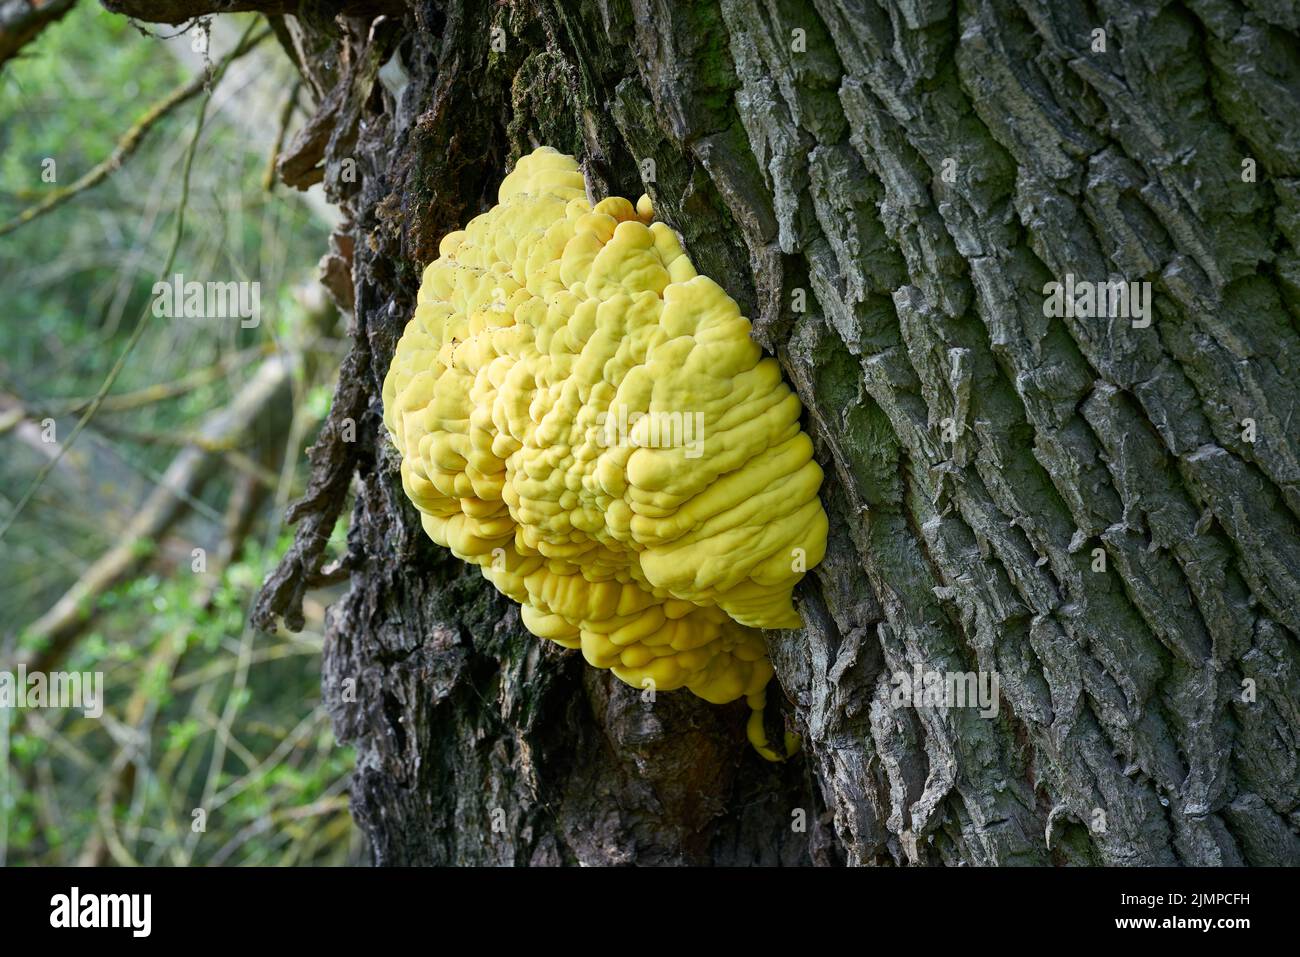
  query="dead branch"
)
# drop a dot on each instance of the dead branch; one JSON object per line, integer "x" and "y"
{"x": 59, "y": 627}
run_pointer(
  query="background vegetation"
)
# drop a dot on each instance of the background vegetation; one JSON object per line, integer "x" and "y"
{"x": 202, "y": 713}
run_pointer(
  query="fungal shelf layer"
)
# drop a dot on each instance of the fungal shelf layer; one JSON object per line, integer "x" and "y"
{"x": 584, "y": 417}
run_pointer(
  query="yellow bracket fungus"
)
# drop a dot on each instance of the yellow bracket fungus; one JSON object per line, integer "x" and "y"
{"x": 586, "y": 418}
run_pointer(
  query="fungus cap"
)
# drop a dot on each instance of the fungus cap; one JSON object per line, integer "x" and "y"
{"x": 584, "y": 417}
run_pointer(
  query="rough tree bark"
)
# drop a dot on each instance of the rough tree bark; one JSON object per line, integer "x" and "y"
{"x": 885, "y": 186}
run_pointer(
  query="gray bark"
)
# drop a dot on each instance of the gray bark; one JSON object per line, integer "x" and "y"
{"x": 1127, "y": 732}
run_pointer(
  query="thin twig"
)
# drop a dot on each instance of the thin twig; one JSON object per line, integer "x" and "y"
{"x": 132, "y": 139}
{"x": 168, "y": 390}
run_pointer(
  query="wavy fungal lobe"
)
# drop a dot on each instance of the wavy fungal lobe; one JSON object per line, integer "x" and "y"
{"x": 584, "y": 417}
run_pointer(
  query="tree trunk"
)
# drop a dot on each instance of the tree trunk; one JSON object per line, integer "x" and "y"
{"x": 1101, "y": 513}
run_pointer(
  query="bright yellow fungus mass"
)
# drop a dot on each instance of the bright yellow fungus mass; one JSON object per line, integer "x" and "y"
{"x": 586, "y": 418}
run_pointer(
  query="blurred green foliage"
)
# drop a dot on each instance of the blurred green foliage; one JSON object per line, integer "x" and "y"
{"x": 194, "y": 677}
{"x": 201, "y": 713}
